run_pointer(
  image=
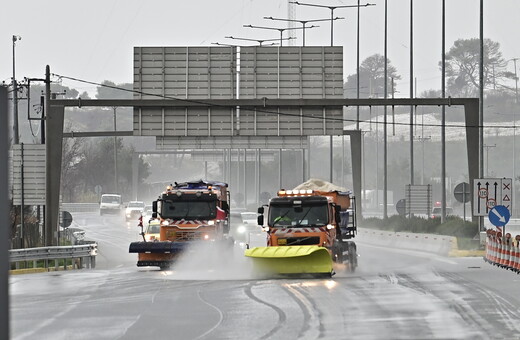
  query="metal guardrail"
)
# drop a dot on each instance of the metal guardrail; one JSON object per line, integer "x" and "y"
{"x": 85, "y": 253}
{"x": 80, "y": 207}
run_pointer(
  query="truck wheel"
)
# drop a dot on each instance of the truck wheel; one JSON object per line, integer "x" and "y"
{"x": 337, "y": 253}
{"x": 165, "y": 266}
{"x": 352, "y": 256}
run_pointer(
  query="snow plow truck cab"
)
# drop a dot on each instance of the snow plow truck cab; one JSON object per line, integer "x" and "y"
{"x": 307, "y": 231}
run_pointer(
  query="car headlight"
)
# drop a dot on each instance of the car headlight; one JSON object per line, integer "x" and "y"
{"x": 241, "y": 229}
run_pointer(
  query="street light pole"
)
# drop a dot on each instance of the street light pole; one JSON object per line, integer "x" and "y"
{"x": 422, "y": 140}
{"x": 303, "y": 22}
{"x": 259, "y": 41}
{"x": 481, "y": 100}
{"x": 514, "y": 137}
{"x": 443, "y": 116}
{"x": 411, "y": 95}
{"x": 15, "y": 95}
{"x": 331, "y": 8}
{"x": 281, "y": 30}
{"x": 516, "y": 81}
{"x": 385, "y": 144}
{"x": 487, "y": 156}
{"x": 115, "y": 152}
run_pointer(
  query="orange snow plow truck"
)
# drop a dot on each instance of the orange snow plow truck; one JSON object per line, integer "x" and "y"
{"x": 188, "y": 212}
{"x": 307, "y": 230}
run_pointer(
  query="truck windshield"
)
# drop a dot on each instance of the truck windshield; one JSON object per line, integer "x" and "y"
{"x": 298, "y": 216}
{"x": 194, "y": 210}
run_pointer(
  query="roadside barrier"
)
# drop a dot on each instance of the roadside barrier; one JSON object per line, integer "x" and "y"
{"x": 84, "y": 254}
{"x": 503, "y": 251}
{"x": 430, "y": 243}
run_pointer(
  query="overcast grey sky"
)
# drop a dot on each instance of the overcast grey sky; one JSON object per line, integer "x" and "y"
{"x": 94, "y": 40}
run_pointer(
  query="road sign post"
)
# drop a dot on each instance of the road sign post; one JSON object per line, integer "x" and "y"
{"x": 462, "y": 194}
{"x": 400, "y": 206}
{"x": 499, "y": 216}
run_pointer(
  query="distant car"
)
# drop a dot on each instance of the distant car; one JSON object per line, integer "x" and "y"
{"x": 133, "y": 210}
{"x": 110, "y": 204}
{"x": 242, "y": 224}
{"x": 436, "y": 212}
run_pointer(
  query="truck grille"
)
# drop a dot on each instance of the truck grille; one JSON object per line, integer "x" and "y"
{"x": 302, "y": 241}
{"x": 188, "y": 236}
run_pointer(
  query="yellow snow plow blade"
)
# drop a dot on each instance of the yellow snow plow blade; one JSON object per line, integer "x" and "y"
{"x": 291, "y": 260}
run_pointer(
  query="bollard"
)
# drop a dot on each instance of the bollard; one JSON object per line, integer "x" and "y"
{"x": 517, "y": 266}
{"x": 507, "y": 251}
{"x": 500, "y": 249}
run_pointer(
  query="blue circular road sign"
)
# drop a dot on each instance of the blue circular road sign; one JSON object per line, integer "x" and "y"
{"x": 499, "y": 216}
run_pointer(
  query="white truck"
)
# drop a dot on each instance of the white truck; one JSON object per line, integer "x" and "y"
{"x": 110, "y": 204}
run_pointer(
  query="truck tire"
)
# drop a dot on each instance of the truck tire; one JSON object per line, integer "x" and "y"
{"x": 337, "y": 255}
{"x": 352, "y": 256}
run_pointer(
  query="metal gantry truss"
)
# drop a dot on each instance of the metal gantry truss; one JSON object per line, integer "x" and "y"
{"x": 55, "y": 134}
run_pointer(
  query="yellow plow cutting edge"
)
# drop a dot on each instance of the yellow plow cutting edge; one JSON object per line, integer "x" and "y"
{"x": 291, "y": 259}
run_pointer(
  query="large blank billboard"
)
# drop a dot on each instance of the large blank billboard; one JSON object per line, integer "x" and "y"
{"x": 198, "y": 73}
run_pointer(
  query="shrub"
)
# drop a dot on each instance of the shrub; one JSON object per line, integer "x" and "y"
{"x": 453, "y": 226}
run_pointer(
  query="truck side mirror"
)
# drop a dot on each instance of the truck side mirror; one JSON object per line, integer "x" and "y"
{"x": 154, "y": 215}
{"x": 260, "y": 219}
{"x": 154, "y": 207}
{"x": 260, "y": 210}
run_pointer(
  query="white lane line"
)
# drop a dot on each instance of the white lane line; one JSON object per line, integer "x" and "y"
{"x": 221, "y": 316}
{"x": 47, "y": 322}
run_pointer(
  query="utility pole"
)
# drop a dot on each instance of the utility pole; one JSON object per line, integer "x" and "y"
{"x": 487, "y": 157}
{"x": 443, "y": 116}
{"x": 15, "y": 95}
{"x": 4, "y": 213}
{"x": 516, "y": 81}
{"x": 481, "y": 102}
{"x": 115, "y": 152}
{"x": 411, "y": 94}
{"x": 514, "y": 136}
{"x": 385, "y": 145}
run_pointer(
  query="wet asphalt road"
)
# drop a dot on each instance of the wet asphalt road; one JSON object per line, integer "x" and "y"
{"x": 394, "y": 294}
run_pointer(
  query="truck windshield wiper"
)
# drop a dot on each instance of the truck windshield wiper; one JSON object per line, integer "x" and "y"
{"x": 280, "y": 218}
{"x": 187, "y": 213}
{"x": 299, "y": 224}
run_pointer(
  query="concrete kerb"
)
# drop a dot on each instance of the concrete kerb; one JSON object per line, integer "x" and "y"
{"x": 38, "y": 270}
{"x": 430, "y": 243}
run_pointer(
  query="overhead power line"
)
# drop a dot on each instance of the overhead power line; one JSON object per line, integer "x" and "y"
{"x": 269, "y": 111}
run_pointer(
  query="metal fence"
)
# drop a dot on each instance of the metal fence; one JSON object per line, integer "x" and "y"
{"x": 85, "y": 254}
{"x": 80, "y": 207}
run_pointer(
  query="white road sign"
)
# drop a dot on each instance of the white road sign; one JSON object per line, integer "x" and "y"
{"x": 490, "y": 192}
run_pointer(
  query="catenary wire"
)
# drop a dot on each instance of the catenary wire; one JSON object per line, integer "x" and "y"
{"x": 273, "y": 112}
